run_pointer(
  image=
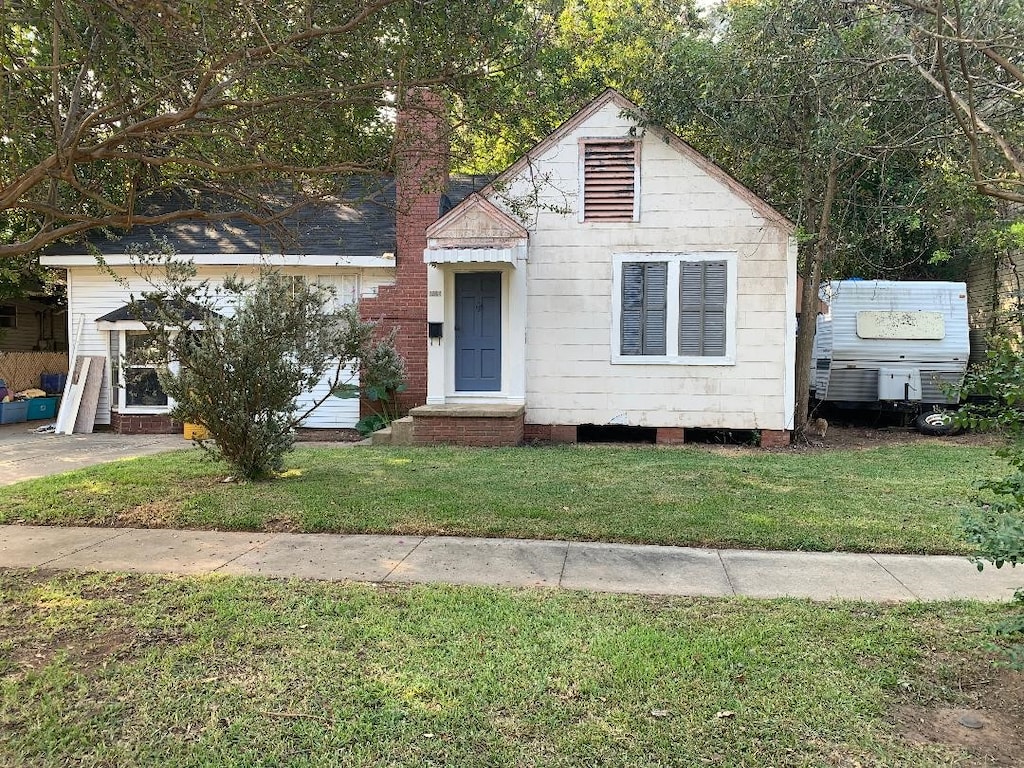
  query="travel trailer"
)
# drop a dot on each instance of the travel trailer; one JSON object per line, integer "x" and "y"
{"x": 887, "y": 342}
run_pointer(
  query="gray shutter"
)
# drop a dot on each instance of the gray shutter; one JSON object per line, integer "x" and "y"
{"x": 644, "y": 310}
{"x": 691, "y": 308}
{"x": 631, "y": 317}
{"x": 655, "y": 307}
{"x": 703, "y": 296}
{"x": 715, "y": 300}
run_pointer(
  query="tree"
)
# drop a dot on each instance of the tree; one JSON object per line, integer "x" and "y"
{"x": 790, "y": 96}
{"x": 235, "y": 356}
{"x": 970, "y": 53}
{"x": 243, "y": 109}
{"x": 585, "y": 47}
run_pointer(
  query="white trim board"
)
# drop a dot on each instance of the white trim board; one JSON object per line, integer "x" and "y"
{"x": 385, "y": 261}
{"x": 672, "y": 309}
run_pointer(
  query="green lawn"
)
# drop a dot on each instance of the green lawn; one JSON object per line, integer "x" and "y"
{"x": 898, "y": 499}
{"x": 121, "y": 670}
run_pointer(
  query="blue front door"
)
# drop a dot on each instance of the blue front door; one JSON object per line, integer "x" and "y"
{"x": 478, "y": 331}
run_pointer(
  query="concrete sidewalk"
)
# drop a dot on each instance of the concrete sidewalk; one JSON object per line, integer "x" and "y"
{"x": 508, "y": 562}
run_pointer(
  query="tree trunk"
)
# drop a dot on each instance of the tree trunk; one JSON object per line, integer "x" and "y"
{"x": 811, "y": 273}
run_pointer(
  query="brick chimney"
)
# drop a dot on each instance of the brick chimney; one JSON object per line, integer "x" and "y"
{"x": 421, "y": 154}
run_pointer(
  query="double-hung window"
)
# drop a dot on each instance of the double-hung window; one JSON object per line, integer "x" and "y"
{"x": 8, "y": 316}
{"x": 674, "y": 308}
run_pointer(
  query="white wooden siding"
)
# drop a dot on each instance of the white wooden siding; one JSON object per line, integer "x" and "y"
{"x": 569, "y": 373}
{"x": 92, "y": 294}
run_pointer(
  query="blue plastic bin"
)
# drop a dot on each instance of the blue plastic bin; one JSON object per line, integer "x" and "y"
{"x": 52, "y": 382}
{"x": 13, "y": 412}
{"x": 42, "y": 407}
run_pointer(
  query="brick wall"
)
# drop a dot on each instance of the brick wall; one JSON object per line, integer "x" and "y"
{"x": 483, "y": 431}
{"x": 775, "y": 438}
{"x": 421, "y": 175}
{"x": 144, "y": 424}
{"x": 670, "y": 436}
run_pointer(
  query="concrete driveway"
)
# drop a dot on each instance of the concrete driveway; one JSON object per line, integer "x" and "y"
{"x": 25, "y": 454}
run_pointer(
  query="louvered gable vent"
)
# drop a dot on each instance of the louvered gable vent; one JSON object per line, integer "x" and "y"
{"x": 609, "y": 180}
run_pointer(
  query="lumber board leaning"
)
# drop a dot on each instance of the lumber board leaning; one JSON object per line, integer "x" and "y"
{"x": 85, "y": 419}
{"x": 72, "y": 400}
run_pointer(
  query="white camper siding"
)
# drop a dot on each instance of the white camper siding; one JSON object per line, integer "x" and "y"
{"x": 92, "y": 294}
{"x": 850, "y": 297}
{"x": 570, "y": 376}
{"x": 852, "y": 371}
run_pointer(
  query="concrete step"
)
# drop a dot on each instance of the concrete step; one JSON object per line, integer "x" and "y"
{"x": 402, "y": 431}
{"x": 381, "y": 437}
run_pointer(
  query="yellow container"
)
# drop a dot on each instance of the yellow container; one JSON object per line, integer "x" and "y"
{"x": 196, "y": 432}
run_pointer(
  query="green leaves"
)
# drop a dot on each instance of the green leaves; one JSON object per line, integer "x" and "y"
{"x": 235, "y": 357}
{"x": 242, "y": 106}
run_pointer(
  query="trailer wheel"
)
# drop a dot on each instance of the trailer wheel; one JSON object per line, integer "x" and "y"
{"x": 937, "y": 423}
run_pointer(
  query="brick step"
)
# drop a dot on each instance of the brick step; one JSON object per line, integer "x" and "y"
{"x": 481, "y": 425}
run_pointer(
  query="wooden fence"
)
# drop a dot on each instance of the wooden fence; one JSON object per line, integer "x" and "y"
{"x": 21, "y": 370}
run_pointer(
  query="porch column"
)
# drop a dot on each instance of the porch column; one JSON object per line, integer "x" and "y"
{"x": 516, "y": 342}
{"x": 435, "y": 347}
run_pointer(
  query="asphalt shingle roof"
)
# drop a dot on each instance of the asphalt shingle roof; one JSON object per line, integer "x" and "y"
{"x": 146, "y": 309}
{"x": 361, "y": 223}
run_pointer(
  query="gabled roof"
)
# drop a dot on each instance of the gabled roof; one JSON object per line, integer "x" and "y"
{"x": 498, "y": 224}
{"x": 612, "y": 96}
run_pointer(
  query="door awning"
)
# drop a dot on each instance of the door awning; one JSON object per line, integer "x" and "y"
{"x": 511, "y": 255}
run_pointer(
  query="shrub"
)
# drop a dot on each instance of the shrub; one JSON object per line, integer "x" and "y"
{"x": 996, "y": 526}
{"x": 235, "y": 357}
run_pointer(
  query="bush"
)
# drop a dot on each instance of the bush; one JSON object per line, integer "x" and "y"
{"x": 996, "y": 527}
{"x": 235, "y": 357}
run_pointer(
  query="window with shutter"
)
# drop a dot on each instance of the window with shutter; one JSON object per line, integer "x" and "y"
{"x": 674, "y": 308}
{"x": 644, "y": 313}
{"x": 609, "y": 180}
{"x": 702, "y": 308}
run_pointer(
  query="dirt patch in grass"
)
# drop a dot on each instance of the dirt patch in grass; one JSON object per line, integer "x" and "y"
{"x": 280, "y": 524}
{"x": 859, "y": 437}
{"x": 85, "y": 653}
{"x": 989, "y": 724}
{"x": 160, "y": 513}
{"x": 89, "y": 649}
{"x": 855, "y": 437}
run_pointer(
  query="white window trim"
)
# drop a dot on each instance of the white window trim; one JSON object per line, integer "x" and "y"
{"x": 121, "y": 396}
{"x": 582, "y": 177}
{"x": 672, "y": 310}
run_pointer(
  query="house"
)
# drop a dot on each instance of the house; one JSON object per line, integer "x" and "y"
{"x": 35, "y": 323}
{"x": 356, "y": 244}
{"x": 613, "y": 275}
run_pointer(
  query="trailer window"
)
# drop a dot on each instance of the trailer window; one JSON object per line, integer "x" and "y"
{"x": 901, "y": 325}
